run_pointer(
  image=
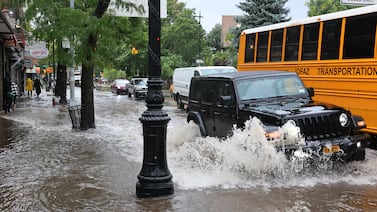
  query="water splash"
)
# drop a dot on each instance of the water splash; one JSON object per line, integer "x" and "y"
{"x": 244, "y": 159}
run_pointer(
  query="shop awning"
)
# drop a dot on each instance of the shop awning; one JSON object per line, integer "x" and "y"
{"x": 6, "y": 30}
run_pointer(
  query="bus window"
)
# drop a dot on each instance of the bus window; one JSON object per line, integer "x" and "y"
{"x": 310, "y": 42}
{"x": 292, "y": 41}
{"x": 360, "y": 37}
{"x": 331, "y": 39}
{"x": 249, "y": 48}
{"x": 262, "y": 47}
{"x": 276, "y": 45}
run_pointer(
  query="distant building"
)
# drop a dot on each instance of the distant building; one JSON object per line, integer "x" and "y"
{"x": 228, "y": 22}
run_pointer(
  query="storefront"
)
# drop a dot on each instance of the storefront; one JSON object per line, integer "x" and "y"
{"x": 7, "y": 38}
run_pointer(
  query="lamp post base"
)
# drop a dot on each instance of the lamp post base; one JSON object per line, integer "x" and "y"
{"x": 154, "y": 179}
{"x": 148, "y": 190}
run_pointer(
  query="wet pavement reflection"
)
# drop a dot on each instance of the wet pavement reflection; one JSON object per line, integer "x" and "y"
{"x": 48, "y": 166}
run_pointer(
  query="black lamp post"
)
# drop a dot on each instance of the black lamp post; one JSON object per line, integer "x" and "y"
{"x": 154, "y": 178}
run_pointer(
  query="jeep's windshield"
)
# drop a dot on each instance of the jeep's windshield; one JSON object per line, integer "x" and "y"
{"x": 262, "y": 88}
{"x": 218, "y": 70}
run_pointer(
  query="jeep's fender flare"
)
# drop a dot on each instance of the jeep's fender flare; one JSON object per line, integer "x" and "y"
{"x": 196, "y": 117}
{"x": 355, "y": 120}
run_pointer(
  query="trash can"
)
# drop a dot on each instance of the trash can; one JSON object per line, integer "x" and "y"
{"x": 75, "y": 114}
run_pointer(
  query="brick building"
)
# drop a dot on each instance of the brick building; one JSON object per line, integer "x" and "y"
{"x": 228, "y": 22}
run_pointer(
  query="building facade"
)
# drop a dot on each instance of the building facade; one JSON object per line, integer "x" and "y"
{"x": 12, "y": 42}
{"x": 228, "y": 22}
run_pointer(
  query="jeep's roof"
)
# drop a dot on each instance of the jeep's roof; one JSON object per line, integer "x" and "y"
{"x": 205, "y": 67}
{"x": 247, "y": 74}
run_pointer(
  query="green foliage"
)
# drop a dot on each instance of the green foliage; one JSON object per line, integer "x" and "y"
{"x": 112, "y": 74}
{"x": 181, "y": 33}
{"x": 223, "y": 58}
{"x": 262, "y": 12}
{"x": 55, "y": 20}
{"x": 214, "y": 37}
{"x": 137, "y": 37}
{"x": 319, "y": 7}
{"x": 169, "y": 63}
{"x": 259, "y": 13}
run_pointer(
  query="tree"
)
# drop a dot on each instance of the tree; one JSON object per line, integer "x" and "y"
{"x": 89, "y": 57}
{"x": 169, "y": 63}
{"x": 137, "y": 37}
{"x": 260, "y": 13}
{"x": 214, "y": 37}
{"x": 319, "y": 7}
{"x": 91, "y": 31}
{"x": 224, "y": 58}
{"x": 181, "y": 33}
{"x": 112, "y": 74}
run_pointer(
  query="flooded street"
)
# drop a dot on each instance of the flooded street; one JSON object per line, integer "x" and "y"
{"x": 48, "y": 166}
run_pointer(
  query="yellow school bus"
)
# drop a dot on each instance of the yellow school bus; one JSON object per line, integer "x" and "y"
{"x": 334, "y": 53}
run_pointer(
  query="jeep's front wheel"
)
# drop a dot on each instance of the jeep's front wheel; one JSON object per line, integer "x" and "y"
{"x": 359, "y": 155}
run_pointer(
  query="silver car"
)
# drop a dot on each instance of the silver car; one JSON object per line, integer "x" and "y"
{"x": 137, "y": 87}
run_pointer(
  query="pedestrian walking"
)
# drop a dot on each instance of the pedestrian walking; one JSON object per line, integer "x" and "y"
{"x": 7, "y": 93}
{"x": 38, "y": 86}
{"x": 14, "y": 87}
{"x": 29, "y": 87}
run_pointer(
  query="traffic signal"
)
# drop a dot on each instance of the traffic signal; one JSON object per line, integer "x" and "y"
{"x": 134, "y": 51}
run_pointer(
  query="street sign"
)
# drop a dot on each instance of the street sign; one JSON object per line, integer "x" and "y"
{"x": 39, "y": 53}
{"x": 358, "y": 2}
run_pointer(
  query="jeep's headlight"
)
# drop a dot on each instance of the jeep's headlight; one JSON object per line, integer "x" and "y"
{"x": 343, "y": 119}
{"x": 273, "y": 135}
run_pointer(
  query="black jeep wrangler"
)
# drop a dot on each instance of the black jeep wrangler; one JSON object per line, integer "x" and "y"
{"x": 218, "y": 102}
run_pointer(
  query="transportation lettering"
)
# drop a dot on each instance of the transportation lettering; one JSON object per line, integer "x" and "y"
{"x": 348, "y": 71}
{"x": 302, "y": 71}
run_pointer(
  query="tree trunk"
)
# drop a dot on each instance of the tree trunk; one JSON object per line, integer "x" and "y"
{"x": 87, "y": 98}
{"x": 61, "y": 83}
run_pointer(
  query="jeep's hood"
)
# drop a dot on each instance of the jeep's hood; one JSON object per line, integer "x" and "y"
{"x": 282, "y": 110}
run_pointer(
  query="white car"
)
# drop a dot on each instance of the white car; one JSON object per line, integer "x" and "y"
{"x": 137, "y": 87}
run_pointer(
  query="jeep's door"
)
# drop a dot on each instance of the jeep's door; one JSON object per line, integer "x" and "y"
{"x": 208, "y": 93}
{"x": 223, "y": 112}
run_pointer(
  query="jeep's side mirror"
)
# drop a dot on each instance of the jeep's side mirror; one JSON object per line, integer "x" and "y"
{"x": 225, "y": 101}
{"x": 311, "y": 91}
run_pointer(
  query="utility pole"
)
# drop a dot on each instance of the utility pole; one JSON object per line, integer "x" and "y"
{"x": 199, "y": 37}
{"x": 71, "y": 70}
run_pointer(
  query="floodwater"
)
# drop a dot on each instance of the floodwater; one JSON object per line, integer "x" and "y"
{"x": 48, "y": 166}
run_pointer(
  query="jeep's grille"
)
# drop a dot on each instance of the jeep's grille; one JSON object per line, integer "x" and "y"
{"x": 320, "y": 127}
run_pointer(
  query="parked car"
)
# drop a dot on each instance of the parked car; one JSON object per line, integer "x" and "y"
{"x": 118, "y": 86}
{"x": 182, "y": 78}
{"x": 219, "y": 102}
{"x": 137, "y": 87}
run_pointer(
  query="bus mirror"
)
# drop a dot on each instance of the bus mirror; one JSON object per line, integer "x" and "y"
{"x": 311, "y": 92}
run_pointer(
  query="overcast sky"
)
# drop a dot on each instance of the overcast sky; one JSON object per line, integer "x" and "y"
{"x": 213, "y": 10}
